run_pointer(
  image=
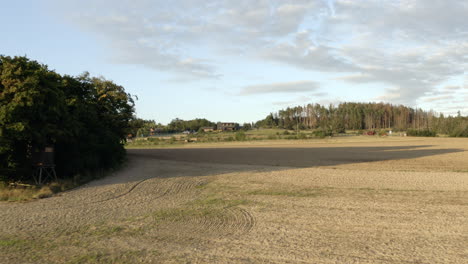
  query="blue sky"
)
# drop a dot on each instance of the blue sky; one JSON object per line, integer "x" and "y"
{"x": 229, "y": 60}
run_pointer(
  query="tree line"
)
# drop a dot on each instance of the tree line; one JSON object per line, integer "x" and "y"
{"x": 142, "y": 127}
{"x": 331, "y": 119}
{"x": 364, "y": 116}
{"x": 86, "y": 119}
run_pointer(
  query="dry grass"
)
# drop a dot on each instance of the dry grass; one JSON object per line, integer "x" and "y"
{"x": 24, "y": 192}
{"x": 13, "y": 194}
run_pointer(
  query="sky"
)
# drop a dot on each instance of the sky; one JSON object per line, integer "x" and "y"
{"x": 239, "y": 60}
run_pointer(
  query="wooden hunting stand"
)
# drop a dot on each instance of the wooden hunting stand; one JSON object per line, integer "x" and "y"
{"x": 44, "y": 166}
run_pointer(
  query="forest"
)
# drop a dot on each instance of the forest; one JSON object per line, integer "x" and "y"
{"x": 365, "y": 116}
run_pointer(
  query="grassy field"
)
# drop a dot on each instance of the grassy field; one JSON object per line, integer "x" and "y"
{"x": 177, "y": 140}
{"x": 335, "y": 200}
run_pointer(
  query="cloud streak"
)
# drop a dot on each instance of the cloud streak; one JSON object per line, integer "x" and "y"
{"x": 285, "y": 87}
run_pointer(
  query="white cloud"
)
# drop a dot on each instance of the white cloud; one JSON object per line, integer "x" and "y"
{"x": 299, "y": 100}
{"x": 439, "y": 98}
{"x": 452, "y": 87}
{"x": 285, "y": 87}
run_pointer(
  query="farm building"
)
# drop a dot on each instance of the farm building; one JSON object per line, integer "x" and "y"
{"x": 208, "y": 129}
{"x": 228, "y": 126}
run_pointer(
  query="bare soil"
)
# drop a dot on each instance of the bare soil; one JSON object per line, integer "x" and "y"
{"x": 351, "y": 200}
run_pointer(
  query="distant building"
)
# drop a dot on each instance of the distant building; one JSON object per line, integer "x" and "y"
{"x": 227, "y": 126}
{"x": 208, "y": 129}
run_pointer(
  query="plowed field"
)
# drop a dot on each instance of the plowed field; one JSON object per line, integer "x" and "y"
{"x": 351, "y": 200}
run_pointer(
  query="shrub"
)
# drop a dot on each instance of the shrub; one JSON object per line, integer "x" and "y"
{"x": 421, "y": 133}
{"x": 154, "y": 140}
{"x": 383, "y": 133}
{"x": 322, "y": 133}
{"x": 460, "y": 131}
{"x": 240, "y": 136}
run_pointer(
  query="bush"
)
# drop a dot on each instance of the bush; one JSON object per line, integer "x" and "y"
{"x": 322, "y": 133}
{"x": 272, "y": 137}
{"x": 240, "y": 136}
{"x": 154, "y": 140}
{"x": 383, "y": 133}
{"x": 460, "y": 131}
{"x": 421, "y": 133}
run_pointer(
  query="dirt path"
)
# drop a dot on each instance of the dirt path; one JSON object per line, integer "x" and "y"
{"x": 361, "y": 202}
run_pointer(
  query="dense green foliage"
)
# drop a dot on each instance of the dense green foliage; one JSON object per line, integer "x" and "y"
{"x": 240, "y": 136}
{"x": 86, "y": 119}
{"x": 144, "y": 128}
{"x": 364, "y": 116}
{"x": 451, "y": 126}
{"x": 421, "y": 133}
{"x": 179, "y": 125}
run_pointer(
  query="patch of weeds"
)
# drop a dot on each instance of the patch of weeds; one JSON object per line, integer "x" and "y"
{"x": 25, "y": 249}
{"x": 14, "y": 194}
{"x": 271, "y": 137}
{"x": 12, "y": 243}
{"x": 173, "y": 214}
{"x": 18, "y": 192}
{"x": 201, "y": 185}
{"x": 209, "y": 207}
{"x": 24, "y": 245}
{"x": 44, "y": 192}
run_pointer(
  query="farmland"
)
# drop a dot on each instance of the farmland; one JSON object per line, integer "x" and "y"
{"x": 340, "y": 200}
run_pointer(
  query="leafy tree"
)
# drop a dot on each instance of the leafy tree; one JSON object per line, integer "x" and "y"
{"x": 246, "y": 126}
{"x": 32, "y": 111}
{"x": 179, "y": 125}
{"x": 87, "y": 119}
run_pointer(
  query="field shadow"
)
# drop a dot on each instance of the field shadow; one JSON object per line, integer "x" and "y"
{"x": 289, "y": 157}
{"x": 145, "y": 164}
